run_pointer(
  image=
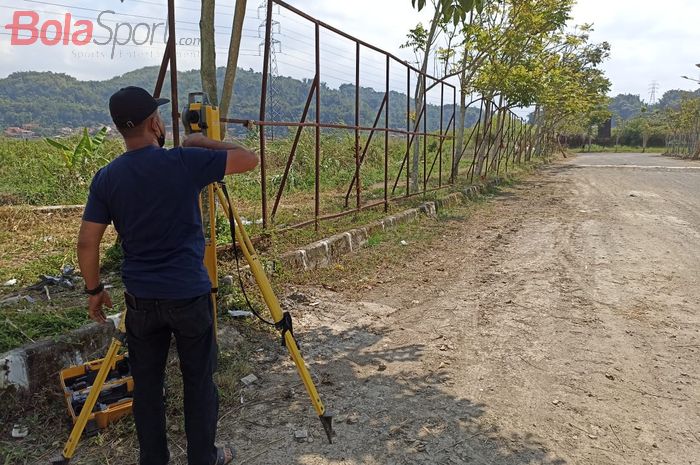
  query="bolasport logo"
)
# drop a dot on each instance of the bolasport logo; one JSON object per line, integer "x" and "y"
{"x": 29, "y": 28}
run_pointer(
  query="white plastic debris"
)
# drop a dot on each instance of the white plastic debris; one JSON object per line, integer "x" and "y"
{"x": 240, "y": 313}
{"x": 301, "y": 435}
{"x": 404, "y": 242}
{"x": 247, "y": 222}
{"x": 10, "y": 282}
{"x": 20, "y": 431}
{"x": 250, "y": 379}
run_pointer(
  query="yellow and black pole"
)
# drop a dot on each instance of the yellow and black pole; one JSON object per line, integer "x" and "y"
{"x": 201, "y": 116}
{"x": 89, "y": 405}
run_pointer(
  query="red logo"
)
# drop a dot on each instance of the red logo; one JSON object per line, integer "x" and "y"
{"x": 50, "y": 32}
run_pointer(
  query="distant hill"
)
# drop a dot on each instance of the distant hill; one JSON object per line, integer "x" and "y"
{"x": 627, "y": 106}
{"x": 53, "y": 100}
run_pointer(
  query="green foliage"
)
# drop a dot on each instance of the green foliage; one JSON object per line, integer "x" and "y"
{"x": 645, "y": 129}
{"x": 627, "y": 106}
{"x": 86, "y": 150}
{"x": 35, "y": 172}
{"x": 113, "y": 257}
{"x": 417, "y": 38}
{"x": 21, "y": 182}
{"x": 18, "y": 325}
{"x": 624, "y": 107}
{"x": 454, "y": 11}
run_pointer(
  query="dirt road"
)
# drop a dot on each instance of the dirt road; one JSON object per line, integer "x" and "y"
{"x": 558, "y": 325}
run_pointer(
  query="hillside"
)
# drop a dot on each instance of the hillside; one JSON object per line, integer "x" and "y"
{"x": 627, "y": 106}
{"x": 51, "y": 100}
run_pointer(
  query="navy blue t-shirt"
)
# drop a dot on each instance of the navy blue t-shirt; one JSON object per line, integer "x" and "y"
{"x": 151, "y": 196}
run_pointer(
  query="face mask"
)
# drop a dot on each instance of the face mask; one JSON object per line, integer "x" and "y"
{"x": 161, "y": 138}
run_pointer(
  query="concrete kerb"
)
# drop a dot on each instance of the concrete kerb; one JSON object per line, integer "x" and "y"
{"x": 36, "y": 365}
{"x": 32, "y": 366}
{"x": 323, "y": 253}
{"x": 45, "y": 209}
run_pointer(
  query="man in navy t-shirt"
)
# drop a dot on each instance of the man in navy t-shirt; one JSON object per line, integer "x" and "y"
{"x": 150, "y": 194}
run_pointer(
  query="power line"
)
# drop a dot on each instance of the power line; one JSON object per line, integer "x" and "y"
{"x": 275, "y": 46}
{"x": 653, "y": 87}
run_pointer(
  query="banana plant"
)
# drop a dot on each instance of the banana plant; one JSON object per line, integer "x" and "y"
{"x": 86, "y": 150}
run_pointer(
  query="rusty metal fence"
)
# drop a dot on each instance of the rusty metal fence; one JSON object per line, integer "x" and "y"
{"x": 685, "y": 144}
{"x": 499, "y": 138}
{"x": 416, "y": 159}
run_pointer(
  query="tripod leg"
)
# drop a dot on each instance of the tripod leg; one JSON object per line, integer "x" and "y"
{"x": 77, "y": 431}
{"x": 273, "y": 304}
{"x": 209, "y": 209}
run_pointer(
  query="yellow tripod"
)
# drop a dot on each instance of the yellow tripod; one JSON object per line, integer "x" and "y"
{"x": 81, "y": 422}
{"x": 201, "y": 116}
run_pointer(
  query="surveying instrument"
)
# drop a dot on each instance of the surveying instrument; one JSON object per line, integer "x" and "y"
{"x": 201, "y": 116}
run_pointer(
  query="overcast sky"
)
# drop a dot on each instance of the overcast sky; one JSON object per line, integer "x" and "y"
{"x": 651, "y": 41}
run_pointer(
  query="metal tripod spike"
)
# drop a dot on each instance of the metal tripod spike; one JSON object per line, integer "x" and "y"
{"x": 327, "y": 422}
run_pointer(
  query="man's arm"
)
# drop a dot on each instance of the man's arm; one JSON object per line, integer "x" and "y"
{"x": 239, "y": 158}
{"x": 89, "y": 239}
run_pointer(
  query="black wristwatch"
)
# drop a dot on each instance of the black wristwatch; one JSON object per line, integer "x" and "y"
{"x": 100, "y": 287}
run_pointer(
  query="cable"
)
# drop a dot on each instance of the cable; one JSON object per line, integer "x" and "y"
{"x": 232, "y": 226}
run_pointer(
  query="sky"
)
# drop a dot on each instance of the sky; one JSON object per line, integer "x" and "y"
{"x": 651, "y": 41}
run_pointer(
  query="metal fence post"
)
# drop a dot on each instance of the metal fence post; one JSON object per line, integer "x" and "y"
{"x": 263, "y": 105}
{"x": 317, "y": 186}
{"x": 358, "y": 183}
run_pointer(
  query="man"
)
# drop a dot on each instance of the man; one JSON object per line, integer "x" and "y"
{"x": 150, "y": 194}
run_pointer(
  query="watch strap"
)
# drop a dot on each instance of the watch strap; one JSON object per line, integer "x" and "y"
{"x": 100, "y": 287}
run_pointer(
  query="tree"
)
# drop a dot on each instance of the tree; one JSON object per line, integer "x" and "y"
{"x": 421, "y": 41}
{"x": 574, "y": 87}
{"x": 520, "y": 37}
{"x": 625, "y": 106}
{"x": 208, "y": 50}
{"x": 208, "y": 55}
{"x": 232, "y": 62}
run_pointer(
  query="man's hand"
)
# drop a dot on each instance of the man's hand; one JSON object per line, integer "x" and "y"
{"x": 239, "y": 158}
{"x": 197, "y": 139}
{"x": 95, "y": 304}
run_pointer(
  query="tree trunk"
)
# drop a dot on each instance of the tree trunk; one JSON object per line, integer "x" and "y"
{"x": 459, "y": 143}
{"x": 232, "y": 63}
{"x": 536, "y": 143}
{"x": 645, "y": 138}
{"x": 208, "y": 51}
{"x": 498, "y": 143}
{"x": 483, "y": 145}
{"x": 420, "y": 91}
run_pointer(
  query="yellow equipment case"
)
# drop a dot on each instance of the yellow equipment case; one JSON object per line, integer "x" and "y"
{"x": 115, "y": 397}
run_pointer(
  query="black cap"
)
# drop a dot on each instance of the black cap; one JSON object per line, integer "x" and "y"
{"x": 131, "y": 105}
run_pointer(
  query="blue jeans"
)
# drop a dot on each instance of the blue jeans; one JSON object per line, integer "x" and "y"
{"x": 150, "y": 324}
